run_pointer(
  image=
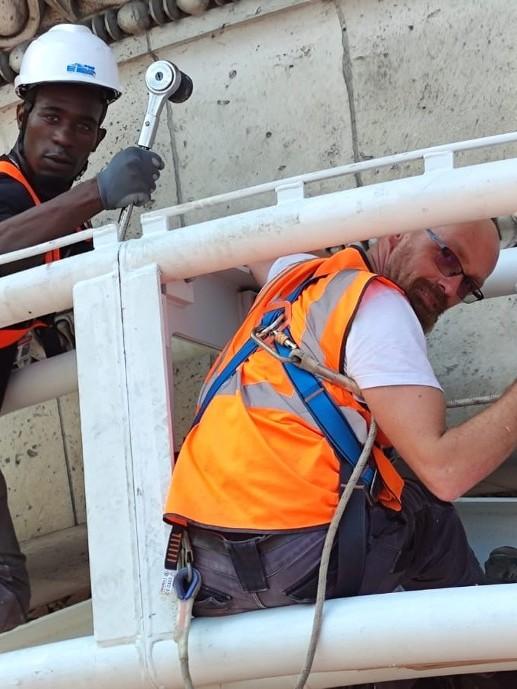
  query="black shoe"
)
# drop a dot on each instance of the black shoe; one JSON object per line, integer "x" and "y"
{"x": 501, "y": 566}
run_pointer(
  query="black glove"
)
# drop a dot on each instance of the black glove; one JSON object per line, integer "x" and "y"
{"x": 130, "y": 177}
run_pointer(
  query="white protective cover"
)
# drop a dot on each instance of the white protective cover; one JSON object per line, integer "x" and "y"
{"x": 69, "y": 53}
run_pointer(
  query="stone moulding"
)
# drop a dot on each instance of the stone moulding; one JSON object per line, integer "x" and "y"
{"x": 158, "y": 37}
{"x": 22, "y": 20}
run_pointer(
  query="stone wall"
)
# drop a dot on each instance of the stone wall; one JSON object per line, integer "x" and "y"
{"x": 283, "y": 87}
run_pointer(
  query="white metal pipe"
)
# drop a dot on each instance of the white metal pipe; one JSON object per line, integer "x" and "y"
{"x": 363, "y": 639}
{"x": 306, "y": 178}
{"x": 78, "y": 663}
{"x": 41, "y": 381}
{"x": 42, "y": 248}
{"x": 504, "y": 278}
{"x": 304, "y": 224}
{"x": 435, "y": 198}
{"x": 48, "y": 289}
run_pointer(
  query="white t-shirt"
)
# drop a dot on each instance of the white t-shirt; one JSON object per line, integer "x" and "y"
{"x": 386, "y": 344}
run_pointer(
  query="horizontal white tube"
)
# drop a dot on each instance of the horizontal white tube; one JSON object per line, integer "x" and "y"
{"x": 41, "y": 381}
{"x": 339, "y": 171}
{"x": 37, "y": 249}
{"x": 436, "y": 198}
{"x": 307, "y": 177}
{"x": 48, "y": 289}
{"x": 429, "y": 200}
{"x": 503, "y": 280}
{"x": 75, "y": 664}
{"x": 363, "y": 639}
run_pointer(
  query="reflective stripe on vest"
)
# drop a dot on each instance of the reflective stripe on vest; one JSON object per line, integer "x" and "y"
{"x": 257, "y": 461}
{"x": 9, "y": 336}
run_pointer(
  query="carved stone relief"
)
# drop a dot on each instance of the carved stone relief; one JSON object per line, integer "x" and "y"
{"x": 111, "y": 20}
{"x": 21, "y": 19}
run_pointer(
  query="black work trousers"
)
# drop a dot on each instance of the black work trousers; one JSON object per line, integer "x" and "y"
{"x": 14, "y": 580}
{"x": 422, "y": 547}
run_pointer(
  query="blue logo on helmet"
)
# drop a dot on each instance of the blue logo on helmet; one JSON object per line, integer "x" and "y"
{"x": 89, "y": 70}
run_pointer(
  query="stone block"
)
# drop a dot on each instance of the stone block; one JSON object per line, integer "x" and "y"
{"x": 8, "y": 127}
{"x": 190, "y": 365}
{"x": 429, "y": 73}
{"x": 33, "y": 461}
{"x": 273, "y": 103}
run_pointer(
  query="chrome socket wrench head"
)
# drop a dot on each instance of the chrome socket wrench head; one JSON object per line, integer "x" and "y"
{"x": 164, "y": 82}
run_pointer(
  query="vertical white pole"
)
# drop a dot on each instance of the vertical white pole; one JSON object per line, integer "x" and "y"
{"x": 127, "y": 446}
{"x": 106, "y": 450}
{"x": 146, "y": 345}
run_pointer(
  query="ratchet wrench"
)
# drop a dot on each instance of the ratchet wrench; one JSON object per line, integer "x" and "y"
{"x": 164, "y": 82}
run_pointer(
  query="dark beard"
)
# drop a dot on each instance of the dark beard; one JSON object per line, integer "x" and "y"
{"x": 426, "y": 315}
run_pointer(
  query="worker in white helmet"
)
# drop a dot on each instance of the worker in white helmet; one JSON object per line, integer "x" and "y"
{"x": 67, "y": 80}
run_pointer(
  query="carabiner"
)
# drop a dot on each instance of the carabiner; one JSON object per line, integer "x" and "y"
{"x": 187, "y": 582}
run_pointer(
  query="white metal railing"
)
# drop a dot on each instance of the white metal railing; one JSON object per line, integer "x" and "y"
{"x": 42, "y": 248}
{"x": 425, "y": 154}
{"x": 446, "y": 195}
{"x": 440, "y": 631}
{"x": 340, "y": 171}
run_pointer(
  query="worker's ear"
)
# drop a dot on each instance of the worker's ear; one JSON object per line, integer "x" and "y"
{"x": 20, "y": 112}
{"x": 100, "y": 136}
{"x": 394, "y": 240}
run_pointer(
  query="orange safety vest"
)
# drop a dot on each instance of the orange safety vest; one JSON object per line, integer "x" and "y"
{"x": 256, "y": 461}
{"x": 9, "y": 336}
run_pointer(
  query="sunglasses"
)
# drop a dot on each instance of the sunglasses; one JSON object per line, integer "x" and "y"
{"x": 449, "y": 265}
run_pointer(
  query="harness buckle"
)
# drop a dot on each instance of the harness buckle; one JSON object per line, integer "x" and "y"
{"x": 285, "y": 317}
{"x": 370, "y": 491}
{"x": 375, "y": 486}
{"x": 260, "y": 337}
{"x": 186, "y": 555}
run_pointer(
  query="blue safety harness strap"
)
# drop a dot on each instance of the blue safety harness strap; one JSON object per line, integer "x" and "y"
{"x": 326, "y": 414}
{"x": 352, "y": 535}
{"x": 244, "y": 353}
{"x": 320, "y": 405}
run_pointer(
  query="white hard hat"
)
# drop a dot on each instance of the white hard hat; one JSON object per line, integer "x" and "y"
{"x": 69, "y": 53}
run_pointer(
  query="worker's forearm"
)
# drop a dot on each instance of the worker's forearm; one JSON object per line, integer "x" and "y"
{"x": 467, "y": 453}
{"x": 52, "y": 219}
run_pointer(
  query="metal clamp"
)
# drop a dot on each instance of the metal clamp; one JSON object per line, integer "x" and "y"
{"x": 298, "y": 357}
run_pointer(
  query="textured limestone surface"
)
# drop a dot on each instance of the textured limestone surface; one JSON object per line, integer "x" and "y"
{"x": 33, "y": 461}
{"x": 188, "y": 375}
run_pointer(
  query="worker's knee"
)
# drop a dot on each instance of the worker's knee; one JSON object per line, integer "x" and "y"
{"x": 14, "y": 592}
{"x": 11, "y": 611}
